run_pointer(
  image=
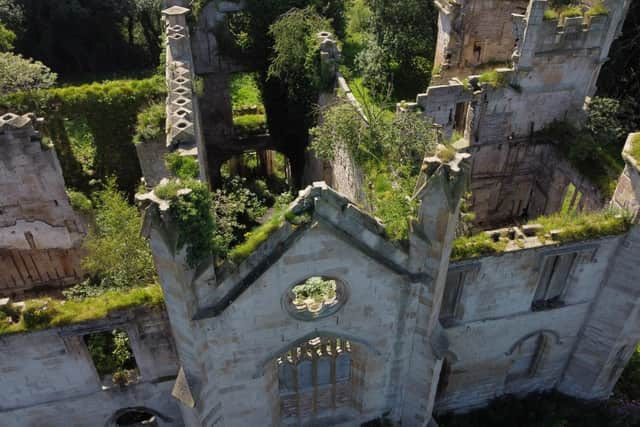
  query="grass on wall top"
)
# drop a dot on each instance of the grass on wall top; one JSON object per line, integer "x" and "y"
{"x": 44, "y": 313}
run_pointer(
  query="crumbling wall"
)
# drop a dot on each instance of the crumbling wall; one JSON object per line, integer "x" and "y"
{"x": 40, "y": 234}
{"x": 472, "y": 34}
{"x": 496, "y": 313}
{"x": 49, "y": 377}
{"x": 519, "y": 180}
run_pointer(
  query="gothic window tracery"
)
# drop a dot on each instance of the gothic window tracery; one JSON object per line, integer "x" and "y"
{"x": 315, "y": 377}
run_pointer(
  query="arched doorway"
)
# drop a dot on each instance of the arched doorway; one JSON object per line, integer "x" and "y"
{"x": 135, "y": 417}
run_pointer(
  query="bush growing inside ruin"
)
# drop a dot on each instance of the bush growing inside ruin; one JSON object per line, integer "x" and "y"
{"x": 151, "y": 123}
{"x": 117, "y": 256}
{"x": 79, "y": 202}
{"x": 388, "y": 150}
{"x": 183, "y": 167}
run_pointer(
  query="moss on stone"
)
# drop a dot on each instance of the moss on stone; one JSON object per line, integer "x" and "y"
{"x": 635, "y": 148}
{"x": 44, "y": 313}
{"x": 476, "y": 246}
{"x": 570, "y": 227}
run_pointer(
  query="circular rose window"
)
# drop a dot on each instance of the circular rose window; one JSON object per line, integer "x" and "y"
{"x": 315, "y": 297}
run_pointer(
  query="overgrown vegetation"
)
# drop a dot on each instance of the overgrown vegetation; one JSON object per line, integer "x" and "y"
{"x": 388, "y": 151}
{"x": 48, "y": 312}
{"x": 585, "y": 225}
{"x": 18, "y": 73}
{"x": 117, "y": 256}
{"x": 589, "y": 151}
{"x": 88, "y": 36}
{"x": 550, "y": 409}
{"x": 635, "y": 148}
{"x": 315, "y": 288}
{"x": 191, "y": 213}
{"x": 475, "y": 246}
{"x": 151, "y": 123}
{"x": 562, "y": 227}
{"x": 250, "y": 124}
{"x": 493, "y": 78}
{"x": 111, "y": 354}
{"x": 401, "y": 47}
{"x": 183, "y": 167}
{"x": 561, "y": 10}
{"x": 79, "y": 202}
{"x": 108, "y": 109}
{"x": 259, "y": 235}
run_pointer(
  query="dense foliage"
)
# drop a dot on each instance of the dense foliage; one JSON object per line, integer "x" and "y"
{"x": 114, "y": 238}
{"x": 18, "y": 73}
{"x": 151, "y": 123}
{"x": 388, "y": 150}
{"x": 80, "y": 36}
{"x": 110, "y": 352}
{"x": 401, "y": 47}
{"x": 109, "y": 110}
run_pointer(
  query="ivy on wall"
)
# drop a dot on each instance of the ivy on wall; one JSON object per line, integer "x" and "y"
{"x": 110, "y": 111}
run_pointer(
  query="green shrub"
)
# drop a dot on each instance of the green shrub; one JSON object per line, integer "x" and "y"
{"x": 183, "y": 167}
{"x": 22, "y": 74}
{"x": 245, "y": 91}
{"x": 79, "y": 202}
{"x": 237, "y": 206}
{"x": 7, "y": 38}
{"x": 250, "y": 124}
{"x": 570, "y": 12}
{"x": 114, "y": 239}
{"x": 475, "y": 246}
{"x": 192, "y": 215}
{"x": 389, "y": 151}
{"x": 38, "y": 314}
{"x": 493, "y": 78}
{"x": 550, "y": 14}
{"x": 257, "y": 236}
{"x": 151, "y": 123}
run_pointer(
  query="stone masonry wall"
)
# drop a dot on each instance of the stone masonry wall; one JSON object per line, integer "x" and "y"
{"x": 48, "y": 377}
{"x": 495, "y": 313}
{"x": 40, "y": 234}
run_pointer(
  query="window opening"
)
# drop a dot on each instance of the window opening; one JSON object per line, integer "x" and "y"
{"x": 553, "y": 281}
{"x": 314, "y": 377}
{"x": 449, "y": 309}
{"x": 112, "y": 357}
{"x": 137, "y": 418}
{"x": 461, "y": 116}
{"x": 528, "y": 358}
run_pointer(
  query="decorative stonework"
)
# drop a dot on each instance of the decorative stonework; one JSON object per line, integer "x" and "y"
{"x": 315, "y": 298}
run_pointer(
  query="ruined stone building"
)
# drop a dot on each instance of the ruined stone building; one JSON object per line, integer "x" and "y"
{"x": 40, "y": 234}
{"x": 404, "y": 331}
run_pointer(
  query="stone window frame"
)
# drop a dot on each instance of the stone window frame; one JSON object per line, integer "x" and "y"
{"x": 468, "y": 272}
{"x": 584, "y": 253}
{"x": 545, "y": 339}
{"x": 342, "y": 296}
{"x": 75, "y": 338}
